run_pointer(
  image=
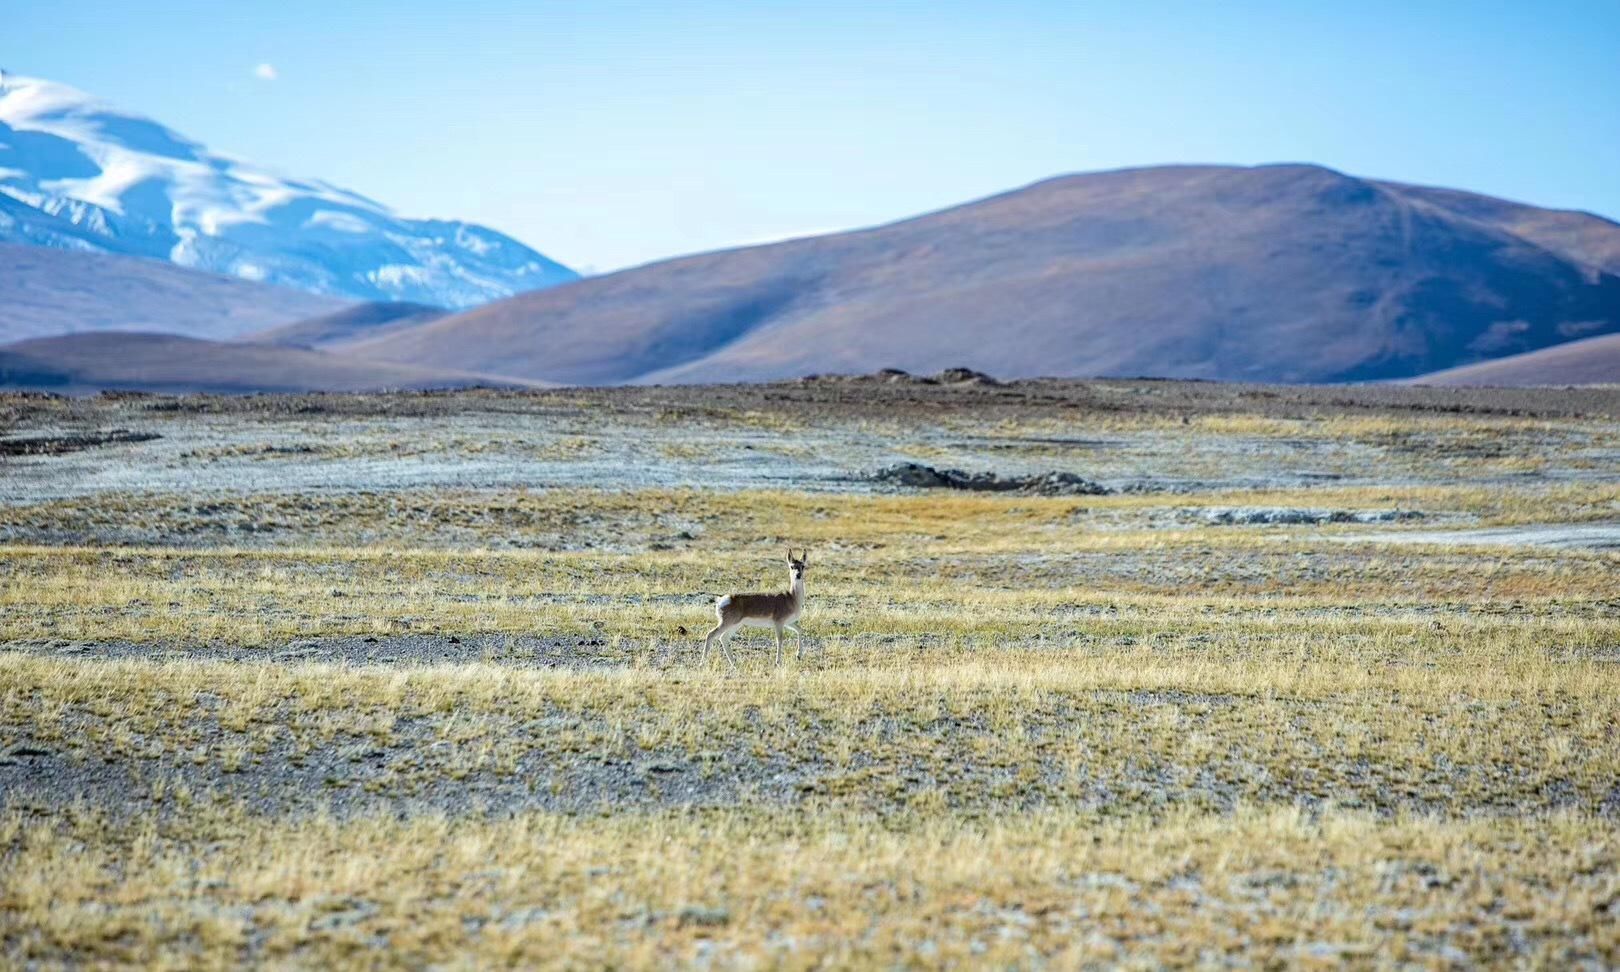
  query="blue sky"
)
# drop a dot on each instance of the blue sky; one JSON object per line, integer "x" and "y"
{"x": 612, "y": 133}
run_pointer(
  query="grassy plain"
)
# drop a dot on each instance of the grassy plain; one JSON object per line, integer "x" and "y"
{"x": 442, "y": 722}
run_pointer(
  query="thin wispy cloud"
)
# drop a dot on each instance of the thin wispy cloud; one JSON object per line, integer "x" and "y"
{"x": 266, "y": 72}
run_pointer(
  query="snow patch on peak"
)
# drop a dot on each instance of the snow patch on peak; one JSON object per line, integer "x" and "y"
{"x": 469, "y": 239}
{"x": 395, "y": 274}
{"x": 334, "y": 220}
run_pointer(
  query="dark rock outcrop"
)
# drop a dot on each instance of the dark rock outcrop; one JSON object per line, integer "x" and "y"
{"x": 917, "y": 476}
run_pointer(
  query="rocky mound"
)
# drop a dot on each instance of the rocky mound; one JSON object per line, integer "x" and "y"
{"x": 917, "y": 476}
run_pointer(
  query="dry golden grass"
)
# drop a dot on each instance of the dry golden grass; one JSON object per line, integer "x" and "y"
{"x": 1513, "y": 602}
{"x": 945, "y": 522}
{"x": 1124, "y": 733}
{"x": 745, "y": 889}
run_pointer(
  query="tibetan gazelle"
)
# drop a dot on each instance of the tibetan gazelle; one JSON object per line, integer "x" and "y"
{"x": 762, "y": 610}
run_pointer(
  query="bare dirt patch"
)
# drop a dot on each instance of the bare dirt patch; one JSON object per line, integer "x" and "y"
{"x": 1564, "y": 536}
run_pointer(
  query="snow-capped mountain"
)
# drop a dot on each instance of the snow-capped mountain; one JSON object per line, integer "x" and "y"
{"x": 76, "y": 173}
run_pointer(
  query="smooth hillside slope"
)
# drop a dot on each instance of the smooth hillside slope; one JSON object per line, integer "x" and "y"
{"x": 48, "y": 291}
{"x": 1290, "y": 273}
{"x": 1580, "y": 236}
{"x": 1592, "y": 361}
{"x": 350, "y": 324}
{"x": 81, "y": 363}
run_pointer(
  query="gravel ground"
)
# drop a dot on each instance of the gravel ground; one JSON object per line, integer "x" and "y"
{"x": 1559, "y": 536}
{"x": 812, "y": 435}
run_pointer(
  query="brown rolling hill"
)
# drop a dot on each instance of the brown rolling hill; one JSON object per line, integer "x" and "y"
{"x": 1289, "y": 273}
{"x": 82, "y": 363}
{"x": 45, "y": 291}
{"x": 1591, "y": 361}
{"x": 358, "y": 322}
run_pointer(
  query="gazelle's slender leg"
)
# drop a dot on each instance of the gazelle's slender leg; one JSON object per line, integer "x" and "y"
{"x": 720, "y": 631}
{"x": 778, "y": 646}
{"x": 725, "y": 648}
{"x": 798, "y": 636}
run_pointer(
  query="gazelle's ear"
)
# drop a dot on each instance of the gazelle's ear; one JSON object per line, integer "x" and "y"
{"x": 790, "y": 555}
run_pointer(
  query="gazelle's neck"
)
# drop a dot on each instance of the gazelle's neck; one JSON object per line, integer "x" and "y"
{"x": 796, "y": 588}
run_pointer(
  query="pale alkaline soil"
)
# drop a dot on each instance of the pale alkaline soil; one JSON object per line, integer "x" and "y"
{"x": 822, "y": 437}
{"x": 1332, "y": 677}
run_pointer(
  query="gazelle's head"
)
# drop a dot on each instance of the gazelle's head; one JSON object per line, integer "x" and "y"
{"x": 797, "y": 565}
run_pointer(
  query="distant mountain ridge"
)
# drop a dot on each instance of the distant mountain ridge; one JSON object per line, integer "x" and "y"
{"x": 1280, "y": 273}
{"x": 78, "y": 174}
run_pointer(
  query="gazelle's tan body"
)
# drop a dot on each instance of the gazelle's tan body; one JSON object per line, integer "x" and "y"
{"x": 777, "y": 611}
{"x": 761, "y": 610}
